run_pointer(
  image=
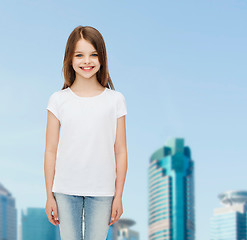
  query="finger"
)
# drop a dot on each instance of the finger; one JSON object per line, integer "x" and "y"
{"x": 114, "y": 218}
{"x": 56, "y": 216}
{"x": 118, "y": 216}
{"x": 112, "y": 222}
{"x": 52, "y": 218}
{"x": 119, "y": 213}
{"x": 55, "y": 221}
{"x": 114, "y": 214}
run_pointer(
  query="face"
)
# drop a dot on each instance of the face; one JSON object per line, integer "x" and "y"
{"x": 85, "y": 59}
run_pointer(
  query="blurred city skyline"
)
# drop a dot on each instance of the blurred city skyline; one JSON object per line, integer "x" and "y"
{"x": 181, "y": 68}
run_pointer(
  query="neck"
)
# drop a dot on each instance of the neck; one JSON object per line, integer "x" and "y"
{"x": 88, "y": 84}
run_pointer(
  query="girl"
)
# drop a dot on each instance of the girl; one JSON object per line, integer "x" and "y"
{"x": 85, "y": 155}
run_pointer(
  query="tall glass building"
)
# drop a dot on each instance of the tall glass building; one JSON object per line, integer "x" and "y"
{"x": 8, "y": 215}
{"x": 230, "y": 221}
{"x": 171, "y": 193}
{"x": 35, "y": 225}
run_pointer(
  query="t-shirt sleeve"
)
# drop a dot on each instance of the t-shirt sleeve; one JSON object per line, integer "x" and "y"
{"x": 121, "y": 105}
{"x": 53, "y": 105}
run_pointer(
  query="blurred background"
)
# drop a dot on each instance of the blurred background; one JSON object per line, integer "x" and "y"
{"x": 182, "y": 69}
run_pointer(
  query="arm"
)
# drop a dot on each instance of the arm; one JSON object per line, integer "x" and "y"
{"x": 121, "y": 165}
{"x": 120, "y": 149}
{"x": 52, "y": 137}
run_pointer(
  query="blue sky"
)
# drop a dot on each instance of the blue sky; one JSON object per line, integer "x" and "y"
{"x": 181, "y": 67}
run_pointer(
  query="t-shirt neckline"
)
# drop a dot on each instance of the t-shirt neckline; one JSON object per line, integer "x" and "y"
{"x": 93, "y": 97}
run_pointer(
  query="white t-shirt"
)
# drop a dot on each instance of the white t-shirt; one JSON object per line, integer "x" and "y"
{"x": 85, "y": 163}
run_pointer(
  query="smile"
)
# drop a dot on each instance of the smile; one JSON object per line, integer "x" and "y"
{"x": 86, "y": 68}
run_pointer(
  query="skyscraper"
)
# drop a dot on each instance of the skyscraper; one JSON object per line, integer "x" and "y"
{"x": 230, "y": 221}
{"x": 8, "y": 215}
{"x": 35, "y": 225}
{"x": 171, "y": 192}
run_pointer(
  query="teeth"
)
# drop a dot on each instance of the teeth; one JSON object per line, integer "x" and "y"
{"x": 87, "y": 67}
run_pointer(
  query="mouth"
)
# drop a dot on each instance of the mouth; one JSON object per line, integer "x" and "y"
{"x": 89, "y": 68}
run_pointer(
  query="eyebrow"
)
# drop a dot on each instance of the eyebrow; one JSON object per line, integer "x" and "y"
{"x": 82, "y": 52}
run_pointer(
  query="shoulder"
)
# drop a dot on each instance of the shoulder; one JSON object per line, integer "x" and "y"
{"x": 116, "y": 94}
{"x": 120, "y": 103}
{"x": 57, "y": 95}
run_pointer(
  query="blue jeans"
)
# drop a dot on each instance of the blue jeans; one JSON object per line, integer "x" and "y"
{"x": 97, "y": 216}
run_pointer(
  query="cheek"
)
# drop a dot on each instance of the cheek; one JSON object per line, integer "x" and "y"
{"x": 75, "y": 64}
{"x": 96, "y": 61}
{"x": 98, "y": 65}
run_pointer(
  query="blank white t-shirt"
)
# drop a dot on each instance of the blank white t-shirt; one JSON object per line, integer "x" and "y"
{"x": 85, "y": 163}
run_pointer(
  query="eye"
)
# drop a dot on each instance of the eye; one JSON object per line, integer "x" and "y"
{"x": 78, "y": 55}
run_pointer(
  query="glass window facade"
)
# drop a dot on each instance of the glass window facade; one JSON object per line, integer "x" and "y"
{"x": 171, "y": 193}
{"x": 230, "y": 222}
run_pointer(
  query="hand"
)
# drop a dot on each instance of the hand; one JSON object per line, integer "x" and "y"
{"x": 51, "y": 205}
{"x": 117, "y": 210}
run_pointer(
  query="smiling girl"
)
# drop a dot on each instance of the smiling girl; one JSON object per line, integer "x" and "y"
{"x": 85, "y": 155}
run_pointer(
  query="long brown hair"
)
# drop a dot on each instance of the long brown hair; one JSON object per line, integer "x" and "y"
{"x": 95, "y": 38}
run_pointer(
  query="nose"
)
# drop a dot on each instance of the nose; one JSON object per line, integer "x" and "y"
{"x": 86, "y": 60}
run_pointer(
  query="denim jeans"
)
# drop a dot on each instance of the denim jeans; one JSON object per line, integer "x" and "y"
{"x": 97, "y": 216}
